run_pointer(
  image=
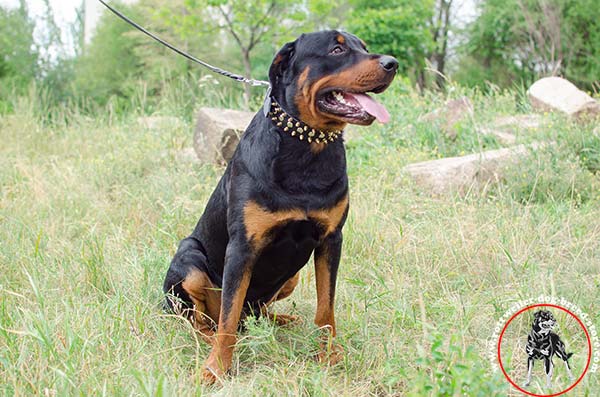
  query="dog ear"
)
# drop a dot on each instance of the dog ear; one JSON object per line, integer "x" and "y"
{"x": 537, "y": 314}
{"x": 281, "y": 62}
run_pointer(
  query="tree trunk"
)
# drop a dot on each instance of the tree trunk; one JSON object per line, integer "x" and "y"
{"x": 421, "y": 80}
{"x": 248, "y": 72}
{"x": 442, "y": 48}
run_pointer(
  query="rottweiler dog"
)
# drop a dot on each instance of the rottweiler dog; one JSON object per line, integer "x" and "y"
{"x": 543, "y": 344}
{"x": 283, "y": 196}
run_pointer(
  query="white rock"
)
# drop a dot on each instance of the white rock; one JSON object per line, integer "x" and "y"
{"x": 507, "y": 128}
{"x": 218, "y": 132}
{"x": 518, "y": 122}
{"x": 461, "y": 173}
{"x": 187, "y": 155}
{"x": 557, "y": 94}
{"x": 505, "y": 138}
{"x": 450, "y": 115}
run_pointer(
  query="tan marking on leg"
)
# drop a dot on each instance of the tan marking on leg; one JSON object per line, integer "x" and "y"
{"x": 206, "y": 298}
{"x": 259, "y": 221}
{"x": 219, "y": 360}
{"x": 287, "y": 288}
{"x": 331, "y": 217}
{"x": 331, "y": 353}
{"x": 285, "y": 291}
{"x": 324, "y": 316}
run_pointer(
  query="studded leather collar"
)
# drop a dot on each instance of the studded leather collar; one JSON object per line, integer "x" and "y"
{"x": 299, "y": 129}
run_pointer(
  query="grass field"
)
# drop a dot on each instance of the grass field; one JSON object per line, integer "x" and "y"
{"x": 91, "y": 211}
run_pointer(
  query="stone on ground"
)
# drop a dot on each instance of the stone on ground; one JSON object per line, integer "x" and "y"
{"x": 462, "y": 173}
{"x": 558, "y": 94}
{"x": 218, "y": 132}
{"x": 449, "y": 117}
{"x": 507, "y": 128}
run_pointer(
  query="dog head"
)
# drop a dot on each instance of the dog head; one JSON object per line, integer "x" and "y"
{"x": 323, "y": 78}
{"x": 543, "y": 322}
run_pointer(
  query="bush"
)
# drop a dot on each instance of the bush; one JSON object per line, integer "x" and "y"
{"x": 552, "y": 175}
{"x": 449, "y": 370}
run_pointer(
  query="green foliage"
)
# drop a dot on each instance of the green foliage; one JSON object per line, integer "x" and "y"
{"x": 18, "y": 53}
{"x": 449, "y": 369}
{"x": 91, "y": 211}
{"x": 566, "y": 170}
{"x": 491, "y": 41}
{"x": 109, "y": 62}
{"x": 550, "y": 176}
{"x": 582, "y": 29}
{"x": 395, "y": 27}
{"x": 517, "y": 41}
{"x": 238, "y": 36}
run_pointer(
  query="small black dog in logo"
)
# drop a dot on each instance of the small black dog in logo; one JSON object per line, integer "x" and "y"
{"x": 543, "y": 344}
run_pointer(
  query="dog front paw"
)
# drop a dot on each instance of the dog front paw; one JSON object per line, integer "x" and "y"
{"x": 284, "y": 320}
{"x": 214, "y": 369}
{"x": 330, "y": 353}
{"x": 209, "y": 375}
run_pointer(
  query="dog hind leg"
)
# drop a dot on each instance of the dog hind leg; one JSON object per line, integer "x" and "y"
{"x": 529, "y": 371}
{"x": 571, "y": 377}
{"x": 189, "y": 289}
{"x": 562, "y": 353}
{"x": 285, "y": 291}
{"x": 549, "y": 366}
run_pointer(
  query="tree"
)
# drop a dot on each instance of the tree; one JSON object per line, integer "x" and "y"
{"x": 398, "y": 28}
{"x": 520, "y": 40}
{"x": 581, "y": 33}
{"x": 440, "y": 29}
{"x": 18, "y": 52}
{"x": 247, "y": 23}
{"x": 109, "y": 60}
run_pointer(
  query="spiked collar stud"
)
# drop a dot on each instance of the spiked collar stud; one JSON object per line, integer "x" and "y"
{"x": 299, "y": 129}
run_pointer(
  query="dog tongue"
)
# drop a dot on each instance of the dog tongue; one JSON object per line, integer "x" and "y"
{"x": 372, "y": 107}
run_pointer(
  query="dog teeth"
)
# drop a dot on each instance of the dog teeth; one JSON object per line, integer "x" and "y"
{"x": 339, "y": 97}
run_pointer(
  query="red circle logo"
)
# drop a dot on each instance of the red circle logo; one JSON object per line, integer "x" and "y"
{"x": 589, "y": 349}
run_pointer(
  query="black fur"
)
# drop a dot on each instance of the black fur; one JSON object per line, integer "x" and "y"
{"x": 277, "y": 171}
{"x": 294, "y": 192}
{"x": 543, "y": 344}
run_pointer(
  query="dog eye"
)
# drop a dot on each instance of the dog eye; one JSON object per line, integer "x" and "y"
{"x": 337, "y": 50}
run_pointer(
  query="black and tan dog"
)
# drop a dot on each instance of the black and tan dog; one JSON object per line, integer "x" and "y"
{"x": 283, "y": 195}
{"x": 543, "y": 344}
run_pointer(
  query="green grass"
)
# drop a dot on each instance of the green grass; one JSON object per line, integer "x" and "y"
{"x": 91, "y": 211}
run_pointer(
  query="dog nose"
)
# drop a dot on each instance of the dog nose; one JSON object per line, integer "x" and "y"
{"x": 388, "y": 63}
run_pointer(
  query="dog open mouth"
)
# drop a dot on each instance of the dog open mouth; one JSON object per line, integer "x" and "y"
{"x": 353, "y": 107}
{"x": 547, "y": 326}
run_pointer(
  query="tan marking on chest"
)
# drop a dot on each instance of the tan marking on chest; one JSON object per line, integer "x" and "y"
{"x": 259, "y": 221}
{"x": 330, "y": 218}
{"x": 317, "y": 148}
